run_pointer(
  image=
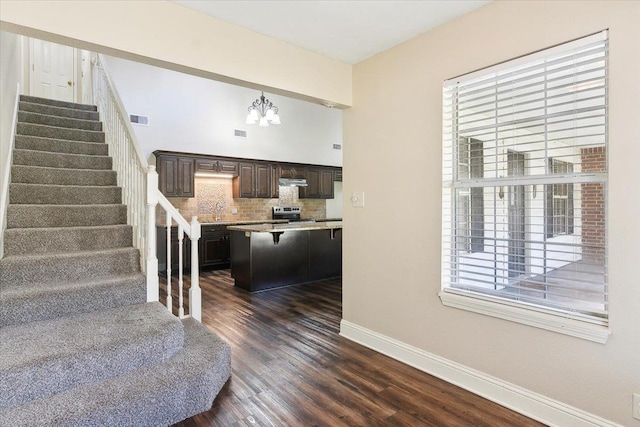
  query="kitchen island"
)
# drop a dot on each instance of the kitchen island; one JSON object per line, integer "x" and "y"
{"x": 266, "y": 256}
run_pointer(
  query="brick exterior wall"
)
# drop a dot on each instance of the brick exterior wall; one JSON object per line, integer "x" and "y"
{"x": 593, "y": 212}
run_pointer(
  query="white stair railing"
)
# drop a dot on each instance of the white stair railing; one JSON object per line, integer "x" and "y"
{"x": 139, "y": 183}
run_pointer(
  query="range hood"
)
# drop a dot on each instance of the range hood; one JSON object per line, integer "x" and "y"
{"x": 292, "y": 182}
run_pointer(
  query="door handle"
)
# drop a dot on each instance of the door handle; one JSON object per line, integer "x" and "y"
{"x": 70, "y": 83}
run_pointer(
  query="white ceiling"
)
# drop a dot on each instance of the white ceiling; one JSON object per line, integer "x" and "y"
{"x": 348, "y": 31}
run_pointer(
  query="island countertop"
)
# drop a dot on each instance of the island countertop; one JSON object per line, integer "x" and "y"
{"x": 228, "y": 223}
{"x": 279, "y": 228}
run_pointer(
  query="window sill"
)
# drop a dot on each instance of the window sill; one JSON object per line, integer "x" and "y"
{"x": 514, "y": 312}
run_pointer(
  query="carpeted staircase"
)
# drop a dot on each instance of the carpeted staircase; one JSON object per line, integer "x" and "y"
{"x": 79, "y": 346}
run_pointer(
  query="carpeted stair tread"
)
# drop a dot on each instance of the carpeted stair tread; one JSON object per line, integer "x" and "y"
{"x": 20, "y": 193}
{"x": 55, "y": 132}
{"x": 38, "y": 143}
{"x": 29, "y": 216}
{"x": 51, "y": 300}
{"x": 59, "y": 176}
{"x": 56, "y": 103}
{"x": 60, "y": 160}
{"x": 50, "y": 240}
{"x": 58, "y": 111}
{"x": 44, "y": 358}
{"x": 57, "y": 121}
{"x": 158, "y": 395}
{"x": 23, "y": 271}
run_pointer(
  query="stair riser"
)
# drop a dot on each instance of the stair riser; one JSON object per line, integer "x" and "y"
{"x": 22, "y": 273}
{"x": 59, "y": 133}
{"x": 86, "y": 349}
{"x": 58, "y": 111}
{"x": 30, "y": 216}
{"x": 57, "y": 160}
{"x": 61, "y": 146}
{"x": 32, "y": 305}
{"x": 62, "y": 122}
{"x": 57, "y": 176}
{"x": 63, "y": 195}
{"x": 56, "y": 103}
{"x": 31, "y": 241}
{"x": 157, "y": 396}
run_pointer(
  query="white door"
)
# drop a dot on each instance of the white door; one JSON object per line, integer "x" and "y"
{"x": 52, "y": 70}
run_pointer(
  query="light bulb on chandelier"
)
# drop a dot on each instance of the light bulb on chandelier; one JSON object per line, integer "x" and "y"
{"x": 264, "y": 112}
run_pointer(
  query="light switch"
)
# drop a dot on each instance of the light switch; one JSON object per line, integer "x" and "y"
{"x": 357, "y": 199}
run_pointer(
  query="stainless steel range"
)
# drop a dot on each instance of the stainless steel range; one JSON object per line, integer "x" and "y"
{"x": 290, "y": 213}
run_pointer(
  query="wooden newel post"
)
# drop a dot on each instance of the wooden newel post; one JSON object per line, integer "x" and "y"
{"x": 195, "y": 294}
{"x": 151, "y": 267}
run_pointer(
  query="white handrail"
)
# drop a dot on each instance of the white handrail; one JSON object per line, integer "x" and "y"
{"x": 173, "y": 213}
{"x": 6, "y": 175}
{"x": 139, "y": 183}
{"x": 120, "y": 108}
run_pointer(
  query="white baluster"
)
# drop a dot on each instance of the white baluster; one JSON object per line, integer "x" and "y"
{"x": 180, "y": 267}
{"x": 140, "y": 193}
{"x": 169, "y": 297}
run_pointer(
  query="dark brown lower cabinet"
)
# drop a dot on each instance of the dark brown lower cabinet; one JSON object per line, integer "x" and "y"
{"x": 161, "y": 246}
{"x": 213, "y": 249}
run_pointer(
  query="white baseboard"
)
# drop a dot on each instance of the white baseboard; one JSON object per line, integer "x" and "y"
{"x": 521, "y": 400}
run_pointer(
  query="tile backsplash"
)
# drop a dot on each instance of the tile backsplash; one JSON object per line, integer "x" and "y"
{"x": 214, "y": 201}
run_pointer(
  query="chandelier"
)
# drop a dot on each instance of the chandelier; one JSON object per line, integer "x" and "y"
{"x": 263, "y": 110}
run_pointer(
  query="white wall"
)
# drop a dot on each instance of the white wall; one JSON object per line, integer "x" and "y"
{"x": 172, "y": 36}
{"x": 197, "y": 115}
{"x": 335, "y": 205}
{"x": 10, "y": 76}
{"x": 391, "y": 284}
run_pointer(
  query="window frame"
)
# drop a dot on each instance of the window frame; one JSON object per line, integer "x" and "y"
{"x": 540, "y": 316}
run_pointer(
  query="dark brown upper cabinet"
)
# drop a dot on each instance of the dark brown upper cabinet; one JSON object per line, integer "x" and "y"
{"x": 254, "y": 181}
{"x": 275, "y": 181}
{"x": 291, "y": 171}
{"x": 253, "y": 178}
{"x": 175, "y": 175}
{"x": 319, "y": 183}
{"x": 263, "y": 180}
{"x": 212, "y": 165}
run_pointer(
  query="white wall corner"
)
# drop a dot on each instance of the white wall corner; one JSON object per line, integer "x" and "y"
{"x": 516, "y": 398}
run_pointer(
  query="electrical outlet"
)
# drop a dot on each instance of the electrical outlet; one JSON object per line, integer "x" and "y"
{"x": 636, "y": 406}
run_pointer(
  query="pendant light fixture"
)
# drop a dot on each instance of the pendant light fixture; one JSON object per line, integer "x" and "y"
{"x": 264, "y": 112}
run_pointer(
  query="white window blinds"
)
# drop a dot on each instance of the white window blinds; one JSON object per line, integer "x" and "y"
{"x": 525, "y": 181}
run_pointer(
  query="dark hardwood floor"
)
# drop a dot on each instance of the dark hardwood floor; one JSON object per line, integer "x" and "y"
{"x": 291, "y": 368}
